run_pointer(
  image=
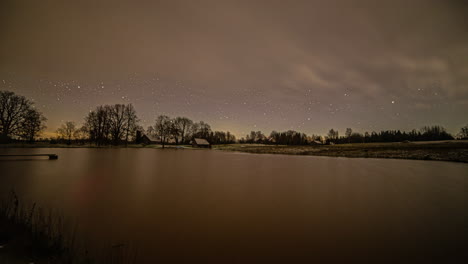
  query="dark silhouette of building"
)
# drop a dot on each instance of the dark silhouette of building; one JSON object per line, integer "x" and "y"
{"x": 200, "y": 143}
{"x": 146, "y": 140}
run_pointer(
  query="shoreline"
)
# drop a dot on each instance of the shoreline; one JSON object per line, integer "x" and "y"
{"x": 453, "y": 151}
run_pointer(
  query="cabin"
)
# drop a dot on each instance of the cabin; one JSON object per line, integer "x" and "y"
{"x": 147, "y": 140}
{"x": 200, "y": 143}
{"x": 316, "y": 142}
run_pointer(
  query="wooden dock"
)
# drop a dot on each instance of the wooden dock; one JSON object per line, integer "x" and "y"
{"x": 51, "y": 156}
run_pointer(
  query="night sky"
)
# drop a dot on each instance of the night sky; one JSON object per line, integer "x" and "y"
{"x": 243, "y": 65}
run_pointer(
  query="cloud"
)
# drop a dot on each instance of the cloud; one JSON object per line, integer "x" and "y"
{"x": 247, "y": 51}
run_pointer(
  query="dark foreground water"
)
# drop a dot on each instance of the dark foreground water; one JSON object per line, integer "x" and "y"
{"x": 218, "y": 207}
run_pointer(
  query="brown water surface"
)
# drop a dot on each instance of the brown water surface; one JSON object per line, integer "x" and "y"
{"x": 219, "y": 207}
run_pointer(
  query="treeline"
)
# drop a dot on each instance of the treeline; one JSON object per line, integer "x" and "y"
{"x": 291, "y": 137}
{"x": 107, "y": 124}
{"x": 181, "y": 130}
{"x": 427, "y": 133}
{"x": 118, "y": 124}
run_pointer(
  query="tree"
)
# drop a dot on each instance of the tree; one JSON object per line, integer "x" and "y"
{"x": 98, "y": 124}
{"x": 174, "y": 131}
{"x": 348, "y": 133}
{"x": 366, "y": 136}
{"x": 116, "y": 122}
{"x": 112, "y": 124}
{"x": 80, "y": 135}
{"x": 332, "y": 135}
{"x": 201, "y": 130}
{"x": 275, "y": 137}
{"x": 31, "y": 125}
{"x": 14, "y": 109}
{"x": 67, "y": 131}
{"x": 183, "y": 124}
{"x": 163, "y": 128}
{"x": 435, "y": 133}
{"x": 230, "y": 138}
{"x": 131, "y": 122}
{"x": 464, "y": 132}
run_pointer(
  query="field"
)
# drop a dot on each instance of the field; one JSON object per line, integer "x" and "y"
{"x": 456, "y": 150}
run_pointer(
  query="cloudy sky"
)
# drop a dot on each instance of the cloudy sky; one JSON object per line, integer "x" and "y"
{"x": 243, "y": 65}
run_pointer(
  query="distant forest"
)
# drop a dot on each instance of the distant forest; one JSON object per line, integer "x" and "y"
{"x": 118, "y": 125}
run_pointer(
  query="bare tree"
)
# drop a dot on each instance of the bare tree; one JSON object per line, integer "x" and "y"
{"x": 116, "y": 121}
{"x": 131, "y": 122}
{"x": 80, "y": 134}
{"x": 163, "y": 128}
{"x": 13, "y": 111}
{"x": 183, "y": 124}
{"x": 275, "y": 137}
{"x": 193, "y": 130}
{"x": 463, "y": 132}
{"x": 98, "y": 124}
{"x": 31, "y": 125}
{"x": 201, "y": 130}
{"x": 67, "y": 131}
{"x": 348, "y": 133}
{"x": 174, "y": 131}
{"x": 332, "y": 135}
{"x": 230, "y": 138}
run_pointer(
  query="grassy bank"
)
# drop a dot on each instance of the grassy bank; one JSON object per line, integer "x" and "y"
{"x": 30, "y": 234}
{"x": 456, "y": 151}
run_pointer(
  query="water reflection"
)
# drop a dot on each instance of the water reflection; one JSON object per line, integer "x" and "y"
{"x": 208, "y": 206}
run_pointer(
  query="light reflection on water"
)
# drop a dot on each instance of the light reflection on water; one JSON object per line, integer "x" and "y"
{"x": 210, "y": 206}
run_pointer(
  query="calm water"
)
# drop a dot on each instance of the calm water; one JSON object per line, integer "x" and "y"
{"x": 219, "y": 207}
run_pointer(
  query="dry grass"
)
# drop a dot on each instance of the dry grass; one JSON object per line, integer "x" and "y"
{"x": 30, "y": 234}
{"x": 443, "y": 151}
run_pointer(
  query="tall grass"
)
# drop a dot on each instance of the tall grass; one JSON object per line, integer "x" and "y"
{"x": 31, "y": 234}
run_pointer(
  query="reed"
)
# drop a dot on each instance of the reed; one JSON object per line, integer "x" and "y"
{"x": 32, "y": 234}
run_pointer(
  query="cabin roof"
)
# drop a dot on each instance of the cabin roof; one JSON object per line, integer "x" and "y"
{"x": 201, "y": 141}
{"x": 151, "y": 138}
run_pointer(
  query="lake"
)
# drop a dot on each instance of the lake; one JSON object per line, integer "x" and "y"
{"x": 191, "y": 206}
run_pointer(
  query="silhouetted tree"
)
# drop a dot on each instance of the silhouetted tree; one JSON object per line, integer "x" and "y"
{"x": 221, "y": 137}
{"x": 183, "y": 125}
{"x": 174, "y": 131}
{"x": 111, "y": 124}
{"x": 435, "y": 133}
{"x": 366, "y": 137}
{"x": 80, "y": 135}
{"x": 98, "y": 124}
{"x": 31, "y": 125}
{"x": 67, "y": 131}
{"x": 131, "y": 122}
{"x": 463, "y": 132}
{"x": 201, "y": 130}
{"x": 230, "y": 139}
{"x": 116, "y": 122}
{"x": 332, "y": 135}
{"x": 275, "y": 137}
{"x": 163, "y": 128}
{"x": 14, "y": 110}
{"x": 348, "y": 134}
